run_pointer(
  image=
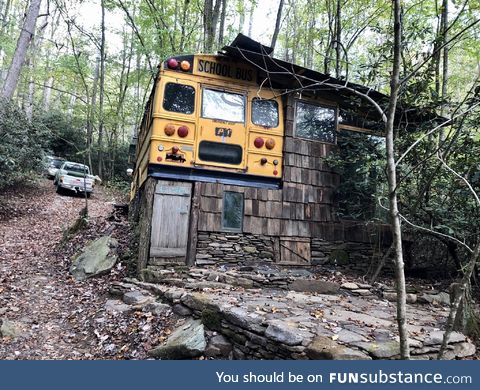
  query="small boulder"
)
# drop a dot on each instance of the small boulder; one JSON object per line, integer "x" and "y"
{"x": 218, "y": 346}
{"x": 186, "y": 342}
{"x": 157, "y": 308}
{"x": 117, "y": 306}
{"x": 137, "y": 298}
{"x": 181, "y": 310}
{"x": 314, "y": 286}
{"x": 96, "y": 258}
{"x": 10, "y": 329}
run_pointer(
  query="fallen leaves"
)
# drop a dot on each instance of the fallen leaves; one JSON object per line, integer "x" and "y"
{"x": 64, "y": 319}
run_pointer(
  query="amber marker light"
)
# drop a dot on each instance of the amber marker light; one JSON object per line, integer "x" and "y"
{"x": 270, "y": 143}
{"x": 182, "y": 131}
{"x": 258, "y": 142}
{"x": 169, "y": 130}
{"x": 185, "y": 66}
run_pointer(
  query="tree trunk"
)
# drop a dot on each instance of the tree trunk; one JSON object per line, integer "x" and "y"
{"x": 338, "y": 38}
{"x": 277, "y": 25}
{"x": 392, "y": 185}
{"x": 250, "y": 19}
{"x": 222, "y": 23}
{"x": 443, "y": 110}
{"x": 210, "y": 19}
{"x": 458, "y": 297}
{"x": 47, "y": 93}
{"x": 24, "y": 39}
{"x": 101, "y": 95}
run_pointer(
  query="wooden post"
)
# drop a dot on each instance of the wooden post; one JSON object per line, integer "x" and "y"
{"x": 193, "y": 227}
{"x": 145, "y": 224}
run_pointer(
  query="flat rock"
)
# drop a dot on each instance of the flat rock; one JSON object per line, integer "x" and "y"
{"x": 117, "y": 306}
{"x": 97, "y": 258}
{"x": 186, "y": 342}
{"x": 436, "y": 337}
{"x": 324, "y": 348}
{"x": 346, "y": 336}
{"x": 10, "y": 329}
{"x": 314, "y": 286}
{"x": 380, "y": 350}
{"x": 137, "y": 298}
{"x": 392, "y": 297}
{"x": 435, "y": 299}
{"x": 349, "y": 286}
{"x": 283, "y": 333}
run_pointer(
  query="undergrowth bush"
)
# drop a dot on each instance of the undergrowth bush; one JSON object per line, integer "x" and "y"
{"x": 22, "y": 144}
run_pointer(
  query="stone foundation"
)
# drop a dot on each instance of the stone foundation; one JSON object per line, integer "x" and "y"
{"x": 237, "y": 248}
{"x": 357, "y": 257}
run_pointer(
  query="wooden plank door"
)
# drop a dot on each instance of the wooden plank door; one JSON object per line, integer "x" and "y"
{"x": 295, "y": 251}
{"x": 170, "y": 222}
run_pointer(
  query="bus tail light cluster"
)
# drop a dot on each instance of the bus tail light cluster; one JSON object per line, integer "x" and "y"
{"x": 173, "y": 64}
{"x": 182, "y": 131}
{"x": 259, "y": 142}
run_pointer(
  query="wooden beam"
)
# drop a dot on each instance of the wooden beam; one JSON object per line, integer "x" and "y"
{"x": 193, "y": 227}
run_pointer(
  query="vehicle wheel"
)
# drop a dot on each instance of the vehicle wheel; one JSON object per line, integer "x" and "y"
{"x": 59, "y": 190}
{"x": 88, "y": 194}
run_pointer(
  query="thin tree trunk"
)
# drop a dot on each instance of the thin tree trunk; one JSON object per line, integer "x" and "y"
{"x": 277, "y": 25}
{"x": 222, "y": 23}
{"x": 443, "y": 109}
{"x": 459, "y": 294}
{"x": 47, "y": 93}
{"x": 392, "y": 185}
{"x": 21, "y": 49}
{"x": 250, "y": 19}
{"x": 102, "y": 92}
{"x": 338, "y": 38}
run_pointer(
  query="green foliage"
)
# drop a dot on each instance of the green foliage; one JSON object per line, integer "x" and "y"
{"x": 67, "y": 140}
{"x": 360, "y": 161}
{"x": 22, "y": 144}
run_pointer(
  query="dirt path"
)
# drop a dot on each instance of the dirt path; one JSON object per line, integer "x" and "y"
{"x": 54, "y": 316}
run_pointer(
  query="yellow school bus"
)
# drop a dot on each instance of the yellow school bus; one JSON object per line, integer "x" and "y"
{"x": 208, "y": 119}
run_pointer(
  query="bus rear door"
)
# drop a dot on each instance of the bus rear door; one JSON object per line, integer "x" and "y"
{"x": 221, "y": 136}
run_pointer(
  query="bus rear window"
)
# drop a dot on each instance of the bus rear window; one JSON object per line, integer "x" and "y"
{"x": 265, "y": 112}
{"x": 179, "y": 98}
{"x": 223, "y": 105}
{"x": 220, "y": 152}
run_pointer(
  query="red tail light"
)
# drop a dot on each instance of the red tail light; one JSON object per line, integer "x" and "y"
{"x": 258, "y": 142}
{"x": 182, "y": 131}
{"x": 175, "y": 149}
{"x": 263, "y": 161}
{"x": 172, "y": 63}
{"x": 275, "y": 172}
{"x": 159, "y": 158}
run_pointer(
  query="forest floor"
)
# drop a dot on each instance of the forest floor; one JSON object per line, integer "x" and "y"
{"x": 51, "y": 315}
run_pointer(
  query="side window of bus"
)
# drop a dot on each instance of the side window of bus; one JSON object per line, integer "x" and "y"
{"x": 179, "y": 98}
{"x": 223, "y": 105}
{"x": 264, "y": 112}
